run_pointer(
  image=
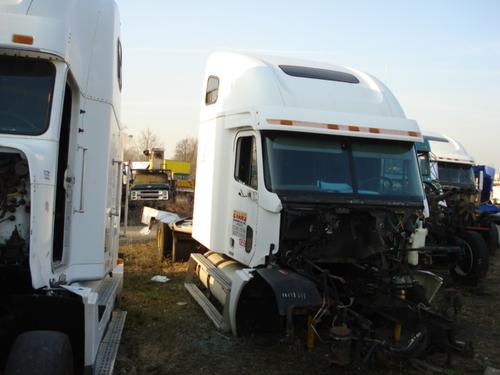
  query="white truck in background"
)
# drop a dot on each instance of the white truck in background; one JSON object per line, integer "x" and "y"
{"x": 309, "y": 203}
{"x": 451, "y": 163}
{"x": 460, "y": 235}
{"x": 60, "y": 186}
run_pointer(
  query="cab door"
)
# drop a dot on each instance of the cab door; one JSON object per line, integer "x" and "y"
{"x": 244, "y": 198}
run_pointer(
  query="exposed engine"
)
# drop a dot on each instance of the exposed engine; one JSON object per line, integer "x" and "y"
{"x": 375, "y": 306}
{"x": 14, "y": 209}
{"x": 451, "y": 208}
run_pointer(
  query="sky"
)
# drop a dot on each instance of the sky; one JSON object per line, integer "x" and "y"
{"x": 440, "y": 58}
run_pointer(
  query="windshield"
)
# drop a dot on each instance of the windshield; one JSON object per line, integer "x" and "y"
{"x": 310, "y": 163}
{"x": 456, "y": 174}
{"x": 26, "y": 87}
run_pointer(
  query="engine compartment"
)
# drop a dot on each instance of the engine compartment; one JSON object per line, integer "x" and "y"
{"x": 342, "y": 234}
{"x": 451, "y": 208}
{"x": 375, "y": 305}
{"x": 14, "y": 209}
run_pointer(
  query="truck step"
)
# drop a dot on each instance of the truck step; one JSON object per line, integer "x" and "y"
{"x": 106, "y": 355}
{"x": 221, "y": 320}
{"x": 205, "y": 304}
{"x": 107, "y": 289}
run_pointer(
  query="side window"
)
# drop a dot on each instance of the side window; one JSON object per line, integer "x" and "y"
{"x": 119, "y": 67}
{"x": 423, "y": 160}
{"x": 246, "y": 161}
{"x": 212, "y": 90}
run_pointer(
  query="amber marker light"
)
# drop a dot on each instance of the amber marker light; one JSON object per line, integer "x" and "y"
{"x": 22, "y": 39}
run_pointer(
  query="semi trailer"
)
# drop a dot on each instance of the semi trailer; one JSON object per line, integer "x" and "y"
{"x": 60, "y": 185}
{"x": 308, "y": 212}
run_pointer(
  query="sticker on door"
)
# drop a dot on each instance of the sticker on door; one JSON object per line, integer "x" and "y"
{"x": 239, "y": 225}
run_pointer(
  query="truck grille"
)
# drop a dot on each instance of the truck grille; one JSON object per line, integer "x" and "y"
{"x": 149, "y": 195}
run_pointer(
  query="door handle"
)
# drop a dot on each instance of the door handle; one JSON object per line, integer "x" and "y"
{"x": 242, "y": 194}
{"x": 119, "y": 164}
{"x": 253, "y": 195}
{"x": 81, "y": 209}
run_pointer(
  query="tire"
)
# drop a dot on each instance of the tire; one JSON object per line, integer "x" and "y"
{"x": 40, "y": 353}
{"x": 472, "y": 266}
{"x": 163, "y": 241}
{"x": 491, "y": 238}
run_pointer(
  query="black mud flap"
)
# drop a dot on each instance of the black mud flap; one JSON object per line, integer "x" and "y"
{"x": 493, "y": 218}
{"x": 291, "y": 289}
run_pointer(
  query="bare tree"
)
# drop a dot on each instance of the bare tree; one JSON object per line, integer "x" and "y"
{"x": 186, "y": 150}
{"x": 145, "y": 141}
{"x": 132, "y": 153}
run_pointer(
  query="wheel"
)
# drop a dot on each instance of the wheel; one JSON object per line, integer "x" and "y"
{"x": 472, "y": 266}
{"x": 163, "y": 240}
{"x": 41, "y": 353}
{"x": 491, "y": 238}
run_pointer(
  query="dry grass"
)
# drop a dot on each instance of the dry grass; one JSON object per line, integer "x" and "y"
{"x": 167, "y": 332}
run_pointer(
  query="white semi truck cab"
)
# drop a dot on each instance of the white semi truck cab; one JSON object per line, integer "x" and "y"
{"x": 309, "y": 202}
{"x": 456, "y": 221}
{"x": 451, "y": 164}
{"x": 60, "y": 183}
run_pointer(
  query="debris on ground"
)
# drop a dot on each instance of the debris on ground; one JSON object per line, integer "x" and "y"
{"x": 160, "y": 279}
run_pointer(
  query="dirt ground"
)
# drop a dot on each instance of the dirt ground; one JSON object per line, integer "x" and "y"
{"x": 166, "y": 332}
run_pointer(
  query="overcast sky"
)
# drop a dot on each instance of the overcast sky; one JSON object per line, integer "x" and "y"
{"x": 440, "y": 58}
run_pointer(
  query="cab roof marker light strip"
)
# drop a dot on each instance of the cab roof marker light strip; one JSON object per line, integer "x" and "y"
{"x": 351, "y": 128}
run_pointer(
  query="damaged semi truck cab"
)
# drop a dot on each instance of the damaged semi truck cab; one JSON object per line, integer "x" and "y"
{"x": 450, "y": 162}
{"x": 459, "y": 234}
{"x": 309, "y": 201}
{"x": 60, "y": 182}
{"x": 298, "y": 135}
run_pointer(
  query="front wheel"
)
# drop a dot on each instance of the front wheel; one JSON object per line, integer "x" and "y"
{"x": 472, "y": 265}
{"x": 40, "y": 353}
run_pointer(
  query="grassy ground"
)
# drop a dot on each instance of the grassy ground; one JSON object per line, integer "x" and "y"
{"x": 167, "y": 332}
